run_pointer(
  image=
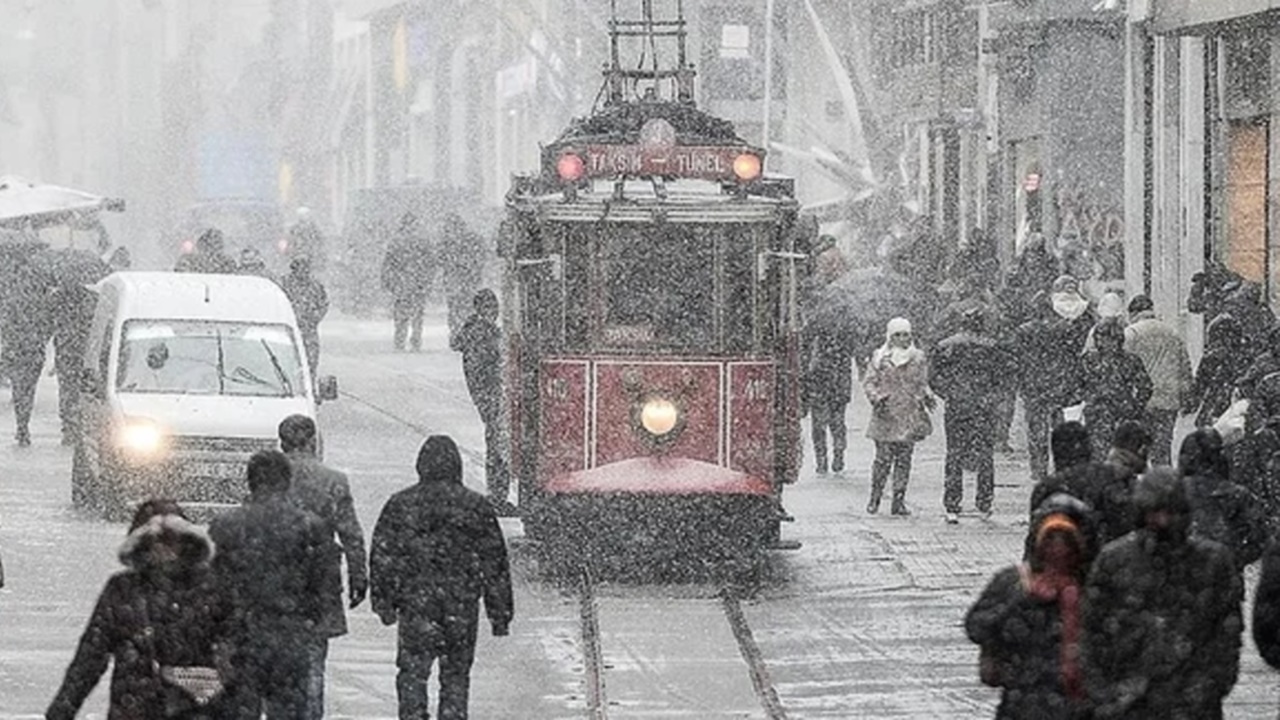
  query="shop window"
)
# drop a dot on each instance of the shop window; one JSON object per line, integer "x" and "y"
{"x": 1246, "y": 202}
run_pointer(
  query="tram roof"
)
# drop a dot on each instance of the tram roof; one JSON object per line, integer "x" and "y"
{"x": 683, "y": 202}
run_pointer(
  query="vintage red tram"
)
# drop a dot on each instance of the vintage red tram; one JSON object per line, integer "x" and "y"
{"x": 651, "y": 274}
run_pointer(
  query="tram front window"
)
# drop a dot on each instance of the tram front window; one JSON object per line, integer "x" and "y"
{"x": 659, "y": 289}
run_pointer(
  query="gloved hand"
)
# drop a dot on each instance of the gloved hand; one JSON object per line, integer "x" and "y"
{"x": 388, "y": 617}
{"x": 358, "y": 591}
{"x": 501, "y": 629}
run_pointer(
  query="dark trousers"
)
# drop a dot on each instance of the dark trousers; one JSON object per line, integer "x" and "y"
{"x": 892, "y": 457}
{"x": 1160, "y": 424}
{"x": 317, "y": 655}
{"x": 828, "y": 417}
{"x": 969, "y": 447}
{"x": 68, "y": 359}
{"x": 275, "y": 663}
{"x": 497, "y": 476}
{"x": 407, "y": 311}
{"x": 24, "y": 376}
{"x": 423, "y": 642}
{"x": 311, "y": 344}
{"x": 1042, "y": 417}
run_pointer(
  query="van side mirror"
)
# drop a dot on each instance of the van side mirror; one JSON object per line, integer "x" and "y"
{"x": 327, "y": 388}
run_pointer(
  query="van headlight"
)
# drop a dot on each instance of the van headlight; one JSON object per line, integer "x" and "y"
{"x": 141, "y": 437}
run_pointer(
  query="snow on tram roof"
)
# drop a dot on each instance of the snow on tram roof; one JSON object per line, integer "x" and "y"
{"x": 683, "y": 201}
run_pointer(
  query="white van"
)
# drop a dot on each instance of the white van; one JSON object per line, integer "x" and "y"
{"x": 186, "y": 375}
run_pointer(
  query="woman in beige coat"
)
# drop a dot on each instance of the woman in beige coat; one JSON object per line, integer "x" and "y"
{"x": 897, "y": 385}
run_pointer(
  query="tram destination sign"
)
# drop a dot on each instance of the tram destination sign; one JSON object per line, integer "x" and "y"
{"x": 703, "y": 162}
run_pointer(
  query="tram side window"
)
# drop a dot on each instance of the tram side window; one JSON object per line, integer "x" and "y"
{"x": 659, "y": 290}
{"x": 739, "y": 290}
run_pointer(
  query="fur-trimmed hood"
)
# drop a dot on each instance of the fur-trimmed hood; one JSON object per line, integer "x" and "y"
{"x": 194, "y": 546}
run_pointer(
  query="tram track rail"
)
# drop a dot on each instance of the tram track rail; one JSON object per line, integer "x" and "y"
{"x": 595, "y": 667}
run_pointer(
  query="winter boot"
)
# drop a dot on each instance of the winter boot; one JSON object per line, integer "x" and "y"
{"x": 900, "y": 503}
{"x": 877, "y": 490}
{"x": 821, "y": 466}
{"x": 837, "y": 463}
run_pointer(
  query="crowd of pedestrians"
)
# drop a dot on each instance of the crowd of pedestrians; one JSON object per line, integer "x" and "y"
{"x": 236, "y": 623}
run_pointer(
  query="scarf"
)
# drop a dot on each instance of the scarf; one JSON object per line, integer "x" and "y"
{"x": 1069, "y": 305}
{"x": 1050, "y": 585}
{"x": 897, "y": 356}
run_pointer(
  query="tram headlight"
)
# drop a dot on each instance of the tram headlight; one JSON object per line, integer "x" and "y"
{"x": 570, "y": 167}
{"x": 659, "y": 416}
{"x": 746, "y": 167}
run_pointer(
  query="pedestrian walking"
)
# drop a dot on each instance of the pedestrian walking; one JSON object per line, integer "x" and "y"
{"x": 1226, "y": 359}
{"x": 480, "y": 342}
{"x": 326, "y": 493}
{"x": 252, "y": 263}
{"x": 310, "y": 304}
{"x": 27, "y": 327}
{"x": 828, "y": 388}
{"x": 1079, "y": 475}
{"x": 1220, "y": 509}
{"x": 1255, "y": 465}
{"x": 209, "y": 256}
{"x": 1116, "y": 386}
{"x": 1049, "y": 348}
{"x": 1162, "y": 617}
{"x": 71, "y": 307}
{"x": 968, "y": 371}
{"x": 271, "y": 559}
{"x": 462, "y": 255}
{"x": 406, "y": 273}
{"x": 897, "y": 386}
{"x": 437, "y": 550}
{"x": 164, "y": 625}
{"x": 1164, "y": 356}
{"x": 1028, "y": 622}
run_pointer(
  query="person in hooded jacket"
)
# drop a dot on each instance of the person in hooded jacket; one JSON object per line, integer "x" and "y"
{"x": 1116, "y": 386}
{"x": 480, "y": 342}
{"x": 969, "y": 370}
{"x": 210, "y": 256}
{"x": 1255, "y": 466}
{"x": 310, "y": 304}
{"x": 272, "y": 561}
{"x": 1164, "y": 355}
{"x": 896, "y": 384}
{"x": 165, "y": 610}
{"x": 1162, "y": 621}
{"x": 1220, "y": 509}
{"x": 437, "y": 550}
{"x": 1225, "y": 360}
{"x": 1028, "y": 621}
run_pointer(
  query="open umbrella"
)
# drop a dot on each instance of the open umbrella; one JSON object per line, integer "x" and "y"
{"x": 70, "y": 267}
{"x": 26, "y": 204}
{"x": 861, "y": 302}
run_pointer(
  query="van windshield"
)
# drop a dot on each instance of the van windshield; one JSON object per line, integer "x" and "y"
{"x": 199, "y": 357}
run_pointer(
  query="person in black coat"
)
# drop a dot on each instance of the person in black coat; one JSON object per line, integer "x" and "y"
{"x": 407, "y": 271}
{"x": 271, "y": 559}
{"x": 1048, "y": 348}
{"x": 828, "y": 388}
{"x": 1162, "y": 619}
{"x": 969, "y": 370}
{"x": 326, "y": 493}
{"x": 26, "y": 325}
{"x": 1116, "y": 386}
{"x": 310, "y": 304}
{"x": 1226, "y": 359}
{"x": 1098, "y": 485}
{"x": 163, "y": 610}
{"x": 72, "y": 305}
{"x": 480, "y": 342}
{"x": 1028, "y": 621}
{"x": 1220, "y": 509}
{"x": 437, "y": 550}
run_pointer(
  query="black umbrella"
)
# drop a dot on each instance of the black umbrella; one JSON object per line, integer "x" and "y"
{"x": 861, "y": 302}
{"x": 71, "y": 267}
